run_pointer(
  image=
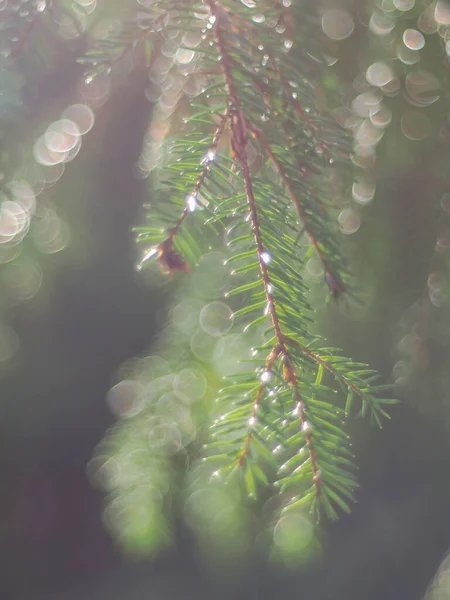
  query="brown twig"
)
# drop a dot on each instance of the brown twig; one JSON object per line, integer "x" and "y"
{"x": 270, "y": 363}
{"x": 169, "y": 258}
{"x": 326, "y": 365}
{"x": 333, "y": 281}
{"x": 239, "y": 136}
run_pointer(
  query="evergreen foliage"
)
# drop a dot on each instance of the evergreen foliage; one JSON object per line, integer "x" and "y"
{"x": 246, "y": 161}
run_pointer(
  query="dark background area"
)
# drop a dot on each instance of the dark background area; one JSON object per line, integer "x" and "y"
{"x": 96, "y": 311}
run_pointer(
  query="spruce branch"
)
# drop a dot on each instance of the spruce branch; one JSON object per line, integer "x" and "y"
{"x": 239, "y": 139}
{"x": 252, "y": 154}
{"x": 240, "y": 127}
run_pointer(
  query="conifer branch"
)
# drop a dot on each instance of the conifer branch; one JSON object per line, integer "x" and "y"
{"x": 239, "y": 137}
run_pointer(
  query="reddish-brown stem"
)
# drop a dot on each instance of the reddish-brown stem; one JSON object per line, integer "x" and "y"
{"x": 270, "y": 363}
{"x": 333, "y": 280}
{"x": 168, "y": 257}
{"x": 196, "y": 190}
{"x": 239, "y": 137}
{"x": 326, "y": 365}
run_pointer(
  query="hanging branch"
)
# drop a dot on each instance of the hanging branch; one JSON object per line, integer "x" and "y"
{"x": 277, "y": 423}
{"x": 239, "y": 126}
{"x": 238, "y": 143}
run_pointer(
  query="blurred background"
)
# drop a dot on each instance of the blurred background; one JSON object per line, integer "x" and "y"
{"x": 75, "y": 311}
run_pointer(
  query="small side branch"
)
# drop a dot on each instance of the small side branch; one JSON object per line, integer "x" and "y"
{"x": 270, "y": 363}
{"x": 169, "y": 259}
{"x": 333, "y": 281}
{"x": 327, "y": 367}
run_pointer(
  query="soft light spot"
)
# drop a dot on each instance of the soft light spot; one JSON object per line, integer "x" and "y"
{"x": 122, "y": 398}
{"x": 365, "y": 102}
{"x": 209, "y": 157}
{"x": 45, "y": 156}
{"x": 403, "y": 5}
{"x": 422, "y": 88}
{"x": 82, "y": 115}
{"x": 363, "y": 191}
{"x": 337, "y": 24}
{"x": 415, "y": 125}
{"x": 266, "y": 376}
{"x": 191, "y": 202}
{"x": 23, "y": 279}
{"x": 381, "y": 23}
{"x": 164, "y": 437}
{"x": 216, "y": 318}
{"x": 292, "y": 533}
{"x": 426, "y": 21}
{"x": 367, "y": 134}
{"x": 183, "y": 56}
{"x": 442, "y": 12}
{"x": 62, "y": 136}
{"x": 147, "y": 256}
{"x": 314, "y": 267}
{"x": 413, "y": 39}
{"x": 265, "y": 257}
{"x": 380, "y": 116}
{"x": 96, "y": 89}
{"x": 379, "y": 74}
{"x": 189, "y": 385}
{"x": 202, "y": 344}
{"x": 258, "y": 18}
{"x": 407, "y": 56}
{"x": 349, "y": 220}
{"x": 22, "y": 192}
{"x": 14, "y": 222}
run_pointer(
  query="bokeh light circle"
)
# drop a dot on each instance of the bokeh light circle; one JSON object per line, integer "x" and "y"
{"x": 216, "y": 318}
